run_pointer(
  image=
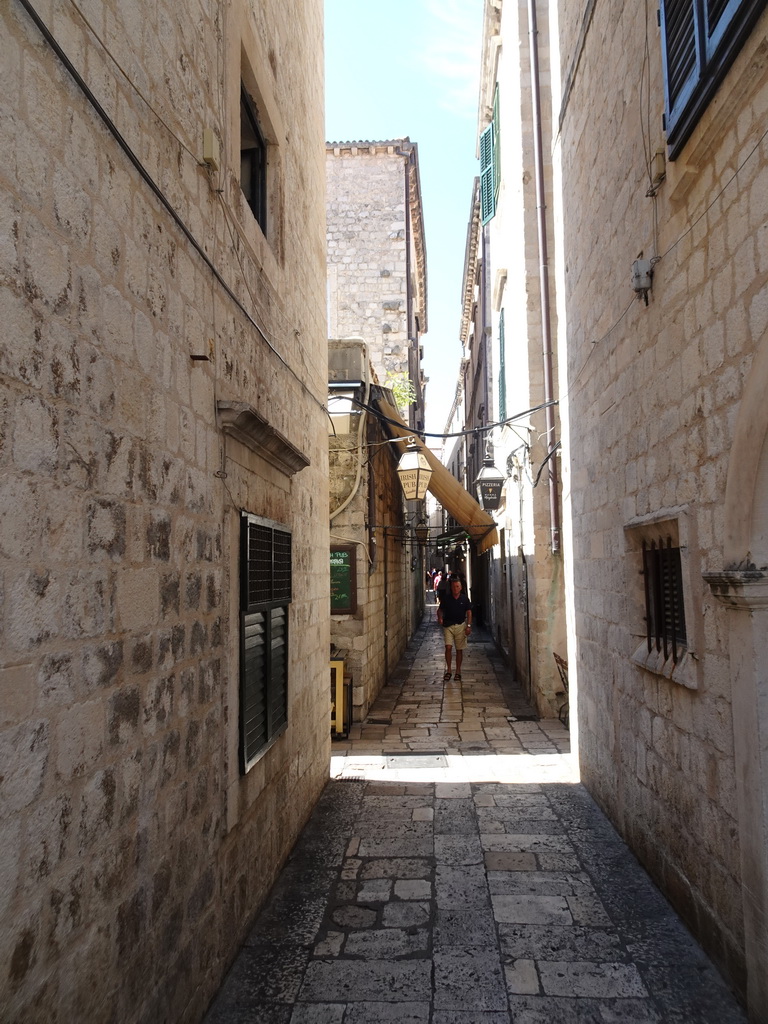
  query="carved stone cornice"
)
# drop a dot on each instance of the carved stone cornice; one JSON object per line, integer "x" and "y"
{"x": 739, "y": 588}
{"x": 241, "y": 421}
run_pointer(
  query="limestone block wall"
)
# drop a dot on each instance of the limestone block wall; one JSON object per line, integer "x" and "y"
{"x": 388, "y": 605}
{"x": 367, "y": 211}
{"x": 652, "y": 397}
{"x": 135, "y": 854}
{"x": 527, "y": 605}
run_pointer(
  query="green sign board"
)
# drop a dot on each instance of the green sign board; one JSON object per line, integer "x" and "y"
{"x": 343, "y": 579}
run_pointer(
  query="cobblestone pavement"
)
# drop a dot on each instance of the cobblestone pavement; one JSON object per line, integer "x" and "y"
{"x": 455, "y": 872}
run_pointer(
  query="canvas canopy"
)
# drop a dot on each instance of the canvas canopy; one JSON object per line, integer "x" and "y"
{"x": 465, "y": 509}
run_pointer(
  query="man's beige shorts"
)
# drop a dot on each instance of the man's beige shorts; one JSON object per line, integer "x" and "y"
{"x": 456, "y": 636}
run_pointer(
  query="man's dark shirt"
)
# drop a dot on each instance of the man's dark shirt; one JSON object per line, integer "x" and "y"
{"x": 455, "y": 609}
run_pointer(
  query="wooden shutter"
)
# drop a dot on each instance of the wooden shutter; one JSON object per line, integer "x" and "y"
{"x": 278, "y": 670}
{"x": 487, "y": 183}
{"x": 680, "y": 53}
{"x": 700, "y": 40}
{"x": 266, "y": 583}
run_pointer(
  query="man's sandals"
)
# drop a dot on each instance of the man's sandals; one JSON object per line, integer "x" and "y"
{"x": 446, "y": 676}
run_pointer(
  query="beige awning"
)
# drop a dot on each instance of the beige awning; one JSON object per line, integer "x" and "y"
{"x": 467, "y": 512}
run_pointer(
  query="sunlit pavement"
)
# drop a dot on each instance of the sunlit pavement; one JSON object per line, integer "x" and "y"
{"x": 455, "y": 872}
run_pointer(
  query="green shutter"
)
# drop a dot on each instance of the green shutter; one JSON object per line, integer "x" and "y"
{"x": 490, "y": 167}
{"x": 487, "y": 183}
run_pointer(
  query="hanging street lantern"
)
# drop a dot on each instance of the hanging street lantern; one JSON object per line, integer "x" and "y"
{"x": 489, "y": 483}
{"x": 414, "y": 472}
{"x": 422, "y": 532}
{"x": 344, "y": 408}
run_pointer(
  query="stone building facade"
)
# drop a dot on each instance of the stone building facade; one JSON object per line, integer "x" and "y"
{"x": 163, "y": 373}
{"x": 663, "y": 306}
{"x": 377, "y": 314}
{"x": 508, "y": 329}
{"x": 373, "y": 525}
{"x": 376, "y": 249}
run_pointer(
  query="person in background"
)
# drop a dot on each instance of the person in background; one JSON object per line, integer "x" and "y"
{"x": 441, "y": 585}
{"x": 454, "y": 614}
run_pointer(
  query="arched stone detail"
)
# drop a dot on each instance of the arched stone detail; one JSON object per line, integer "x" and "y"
{"x": 745, "y": 542}
{"x": 742, "y": 586}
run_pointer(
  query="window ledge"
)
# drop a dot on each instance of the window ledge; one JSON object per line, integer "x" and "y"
{"x": 241, "y": 421}
{"x": 719, "y": 115}
{"x": 684, "y": 672}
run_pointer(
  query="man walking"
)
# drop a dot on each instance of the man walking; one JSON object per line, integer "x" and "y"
{"x": 454, "y": 613}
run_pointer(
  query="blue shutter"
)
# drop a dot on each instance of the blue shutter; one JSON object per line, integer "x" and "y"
{"x": 700, "y": 40}
{"x": 253, "y": 710}
{"x": 681, "y": 58}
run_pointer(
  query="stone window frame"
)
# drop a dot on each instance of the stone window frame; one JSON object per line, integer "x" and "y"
{"x": 264, "y": 235}
{"x": 266, "y": 582}
{"x": 676, "y": 526}
{"x": 253, "y": 158}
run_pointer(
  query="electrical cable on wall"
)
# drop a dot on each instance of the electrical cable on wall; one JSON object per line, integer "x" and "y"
{"x": 157, "y": 191}
{"x": 486, "y": 428}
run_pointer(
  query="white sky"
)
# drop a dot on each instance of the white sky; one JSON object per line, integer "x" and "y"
{"x": 410, "y": 67}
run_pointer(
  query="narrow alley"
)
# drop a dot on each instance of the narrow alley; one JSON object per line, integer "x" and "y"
{"x": 455, "y": 872}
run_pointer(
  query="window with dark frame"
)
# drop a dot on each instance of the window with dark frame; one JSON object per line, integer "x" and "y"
{"x": 265, "y": 589}
{"x": 253, "y": 159}
{"x": 700, "y": 40}
{"x": 664, "y": 607}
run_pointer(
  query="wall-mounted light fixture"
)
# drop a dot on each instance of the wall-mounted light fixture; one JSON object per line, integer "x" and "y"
{"x": 344, "y": 406}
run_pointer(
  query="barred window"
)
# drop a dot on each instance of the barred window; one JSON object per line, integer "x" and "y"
{"x": 664, "y": 607}
{"x": 700, "y": 40}
{"x": 266, "y": 577}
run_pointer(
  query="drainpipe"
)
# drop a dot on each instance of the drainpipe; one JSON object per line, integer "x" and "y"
{"x": 546, "y": 326}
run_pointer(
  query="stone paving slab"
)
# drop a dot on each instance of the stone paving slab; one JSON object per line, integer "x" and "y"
{"x": 446, "y": 882}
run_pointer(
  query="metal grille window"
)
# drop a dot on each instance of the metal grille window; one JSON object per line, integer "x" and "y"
{"x": 664, "y": 608}
{"x": 253, "y": 160}
{"x": 265, "y": 572}
{"x": 700, "y": 39}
